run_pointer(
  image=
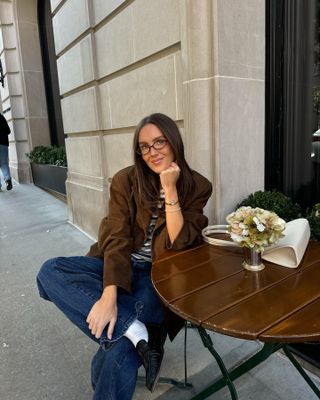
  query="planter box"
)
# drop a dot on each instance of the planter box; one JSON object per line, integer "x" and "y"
{"x": 50, "y": 177}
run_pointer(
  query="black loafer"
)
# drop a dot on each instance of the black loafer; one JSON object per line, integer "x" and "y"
{"x": 152, "y": 360}
{"x": 9, "y": 184}
{"x": 152, "y": 352}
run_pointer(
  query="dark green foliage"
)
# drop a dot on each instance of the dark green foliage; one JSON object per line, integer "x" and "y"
{"x": 273, "y": 201}
{"x": 285, "y": 208}
{"x": 52, "y": 155}
{"x": 314, "y": 221}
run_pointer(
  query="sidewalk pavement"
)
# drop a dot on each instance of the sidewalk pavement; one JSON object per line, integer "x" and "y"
{"x": 43, "y": 356}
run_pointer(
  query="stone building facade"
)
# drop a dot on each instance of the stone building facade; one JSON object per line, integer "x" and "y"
{"x": 199, "y": 61}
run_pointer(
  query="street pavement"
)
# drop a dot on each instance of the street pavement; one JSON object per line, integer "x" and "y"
{"x": 43, "y": 356}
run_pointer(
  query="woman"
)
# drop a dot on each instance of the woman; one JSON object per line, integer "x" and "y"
{"x": 4, "y": 150}
{"x": 154, "y": 205}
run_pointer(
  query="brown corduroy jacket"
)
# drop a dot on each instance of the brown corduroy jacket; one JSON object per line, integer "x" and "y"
{"x": 124, "y": 230}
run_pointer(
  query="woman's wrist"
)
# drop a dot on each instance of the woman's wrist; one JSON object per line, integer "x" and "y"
{"x": 171, "y": 202}
{"x": 168, "y": 210}
{"x": 171, "y": 196}
{"x": 110, "y": 290}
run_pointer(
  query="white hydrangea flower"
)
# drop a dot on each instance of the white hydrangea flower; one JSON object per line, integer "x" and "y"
{"x": 260, "y": 226}
{"x": 255, "y": 227}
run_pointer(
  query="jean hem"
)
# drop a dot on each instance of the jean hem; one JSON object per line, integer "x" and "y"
{"x": 106, "y": 343}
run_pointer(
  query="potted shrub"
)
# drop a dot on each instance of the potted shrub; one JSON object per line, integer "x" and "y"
{"x": 49, "y": 167}
{"x": 284, "y": 207}
{"x": 314, "y": 221}
{"x": 274, "y": 201}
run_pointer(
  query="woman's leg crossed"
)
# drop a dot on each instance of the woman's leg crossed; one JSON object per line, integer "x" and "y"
{"x": 73, "y": 284}
{"x": 143, "y": 290}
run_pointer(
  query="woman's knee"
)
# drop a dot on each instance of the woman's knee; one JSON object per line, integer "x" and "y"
{"x": 47, "y": 268}
{"x": 44, "y": 276}
{"x": 52, "y": 275}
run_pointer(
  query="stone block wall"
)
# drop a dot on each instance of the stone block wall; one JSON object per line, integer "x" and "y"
{"x": 117, "y": 62}
{"x": 199, "y": 61}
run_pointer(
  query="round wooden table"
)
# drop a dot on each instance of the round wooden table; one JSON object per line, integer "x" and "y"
{"x": 209, "y": 287}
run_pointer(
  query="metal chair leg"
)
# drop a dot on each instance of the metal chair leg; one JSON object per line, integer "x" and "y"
{"x": 187, "y": 384}
{"x": 185, "y": 353}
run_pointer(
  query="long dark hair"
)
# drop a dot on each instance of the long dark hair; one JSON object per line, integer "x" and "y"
{"x": 148, "y": 181}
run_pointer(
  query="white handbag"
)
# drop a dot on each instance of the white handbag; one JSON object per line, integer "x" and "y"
{"x": 212, "y": 229}
{"x": 291, "y": 248}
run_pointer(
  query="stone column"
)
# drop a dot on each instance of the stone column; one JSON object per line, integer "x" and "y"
{"x": 239, "y": 75}
{"x": 12, "y": 94}
{"x": 198, "y": 88}
{"x": 223, "y": 67}
{"x": 23, "y": 96}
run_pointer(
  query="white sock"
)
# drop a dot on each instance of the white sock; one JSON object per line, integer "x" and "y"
{"x": 136, "y": 332}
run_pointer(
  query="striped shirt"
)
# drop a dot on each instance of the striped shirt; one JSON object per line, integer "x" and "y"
{"x": 145, "y": 251}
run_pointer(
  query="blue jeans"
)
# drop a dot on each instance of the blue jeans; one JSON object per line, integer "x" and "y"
{"x": 74, "y": 284}
{"x": 4, "y": 162}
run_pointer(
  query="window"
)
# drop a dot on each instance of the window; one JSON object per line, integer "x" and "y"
{"x": 50, "y": 73}
{"x": 293, "y": 99}
{"x": 293, "y": 109}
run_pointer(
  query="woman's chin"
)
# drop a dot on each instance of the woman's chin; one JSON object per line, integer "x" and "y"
{"x": 157, "y": 169}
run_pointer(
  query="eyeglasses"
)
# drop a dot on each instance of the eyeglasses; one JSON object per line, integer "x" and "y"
{"x": 157, "y": 145}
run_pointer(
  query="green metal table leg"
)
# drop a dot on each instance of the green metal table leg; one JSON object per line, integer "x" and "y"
{"x": 301, "y": 371}
{"x": 239, "y": 370}
{"x": 206, "y": 340}
{"x": 245, "y": 366}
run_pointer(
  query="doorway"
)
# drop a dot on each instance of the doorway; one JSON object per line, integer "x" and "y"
{"x": 49, "y": 61}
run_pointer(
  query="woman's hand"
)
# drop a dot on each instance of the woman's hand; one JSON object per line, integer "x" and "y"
{"x": 174, "y": 217}
{"x": 169, "y": 177}
{"x": 104, "y": 311}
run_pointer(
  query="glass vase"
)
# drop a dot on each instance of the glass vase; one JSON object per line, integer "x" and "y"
{"x": 252, "y": 259}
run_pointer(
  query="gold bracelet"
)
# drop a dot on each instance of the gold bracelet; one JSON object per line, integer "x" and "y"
{"x": 172, "y": 211}
{"x": 171, "y": 202}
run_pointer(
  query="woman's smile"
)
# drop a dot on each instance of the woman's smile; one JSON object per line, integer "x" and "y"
{"x": 157, "y": 161}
